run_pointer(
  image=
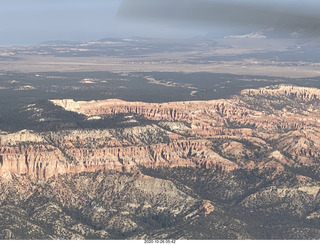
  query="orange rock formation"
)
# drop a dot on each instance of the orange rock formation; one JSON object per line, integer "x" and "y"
{"x": 281, "y": 121}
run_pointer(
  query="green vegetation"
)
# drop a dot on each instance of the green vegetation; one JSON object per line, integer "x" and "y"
{"x": 20, "y": 90}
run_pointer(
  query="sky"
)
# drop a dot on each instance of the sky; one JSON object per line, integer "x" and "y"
{"x": 35, "y": 21}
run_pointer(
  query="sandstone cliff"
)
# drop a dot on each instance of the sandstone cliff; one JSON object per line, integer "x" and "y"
{"x": 246, "y": 167}
{"x": 222, "y": 134}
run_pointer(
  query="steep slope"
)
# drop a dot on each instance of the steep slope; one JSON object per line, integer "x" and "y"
{"x": 242, "y": 168}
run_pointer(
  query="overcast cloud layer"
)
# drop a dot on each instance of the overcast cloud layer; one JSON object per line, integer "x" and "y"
{"x": 285, "y": 15}
{"x": 35, "y": 21}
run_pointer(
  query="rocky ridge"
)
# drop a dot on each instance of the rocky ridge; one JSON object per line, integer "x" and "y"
{"x": 242, "y": 168}
{"x": 183, "y": 134}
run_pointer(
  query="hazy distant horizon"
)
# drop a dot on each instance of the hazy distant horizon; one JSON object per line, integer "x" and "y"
{"x": 37, "y": 21}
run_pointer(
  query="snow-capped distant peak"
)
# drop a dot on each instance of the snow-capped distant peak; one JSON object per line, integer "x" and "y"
{"x": 252, "y": 35}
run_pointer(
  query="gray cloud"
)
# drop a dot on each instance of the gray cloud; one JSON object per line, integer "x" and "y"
{"x": 284, "y": 17}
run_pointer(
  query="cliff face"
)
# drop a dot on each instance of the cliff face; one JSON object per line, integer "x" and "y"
{"x": 43, "y": 161}
{"x": 271, "y": 109}
{"x": 283, "y": 131}
{"x": 247, "y": 167}
{"x": 36, "y": 161}
{"x": 306, "y": 94}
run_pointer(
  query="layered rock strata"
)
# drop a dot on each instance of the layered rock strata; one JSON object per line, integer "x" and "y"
{"x": 272, "y": 127}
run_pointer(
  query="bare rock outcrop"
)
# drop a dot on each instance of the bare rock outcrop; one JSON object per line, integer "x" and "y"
{"x": 301, "y": 93}
{"x": 253, "y": 138}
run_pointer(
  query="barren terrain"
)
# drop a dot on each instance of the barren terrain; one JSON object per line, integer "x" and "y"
{"x": 160, "y": 139}
{"x": 234, "y": 56}
{"x": 240, "y": 168}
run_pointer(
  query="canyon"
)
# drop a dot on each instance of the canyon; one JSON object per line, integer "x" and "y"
{"x": 257, "y": 151}
{"x": 180, "y": 134}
